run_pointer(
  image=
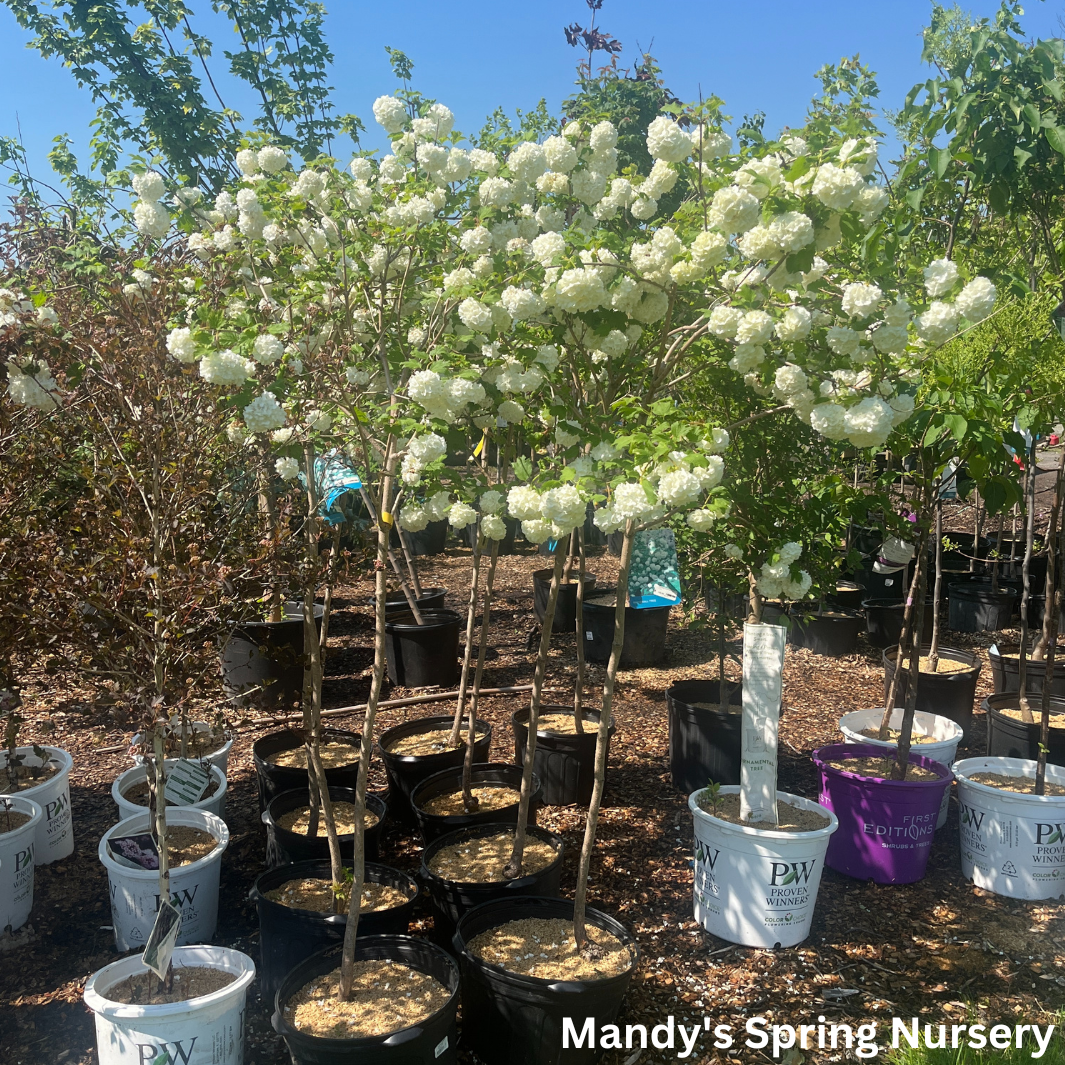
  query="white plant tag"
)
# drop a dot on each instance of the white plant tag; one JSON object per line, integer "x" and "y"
{"x": 186, "y": 782}
{"x": 163, "y": 938}
{"x": 763, "y": 664}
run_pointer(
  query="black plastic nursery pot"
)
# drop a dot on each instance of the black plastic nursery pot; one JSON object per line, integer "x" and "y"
{"x": 883, "y": 620}
{"x": 704, "y": 743}
{"x": 833, "y": 634}
{"x": 1037, "y": 608}
{"x": 406, "y": 771}
{"x": 487, "y": 774}
{"x": 273, "y": 779}
{"x": 284, "y": 847}
{"x": 519, "y": 1019}
{"x": 566, "y": 606}
{"x": 1011, "y": 737}
{"x": 848, "y": 595}
{"x": 450, "y": 900}
{"x": 645, "y": 632}
{"x": 428, "y": 541}
{"x": 563, "y": 762}
{"x": 974, "y": 607}
{"x": 884, "y": 585}
{"x": 426, "y": 655}
{"x": 1005, "y": 671}
{"x": 947, "y": 694}
{"x": 396, "y": 602}
{"x": 287, "y": 934}
{"x": 432, "y": 1042}
{"x": 262, "y": 661}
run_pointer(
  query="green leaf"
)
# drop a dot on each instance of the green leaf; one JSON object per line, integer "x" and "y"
{"x": 801, "y": 261}
{"x": 1031, "y": 113}
{"x": 1055, "y": 136}
{"x": 914, "y": 197}
{"x": 939, "y": 160}
{"x": 956, "y": 424}
{"x": 798, "y": 168}
{"x": 522, "y": 468}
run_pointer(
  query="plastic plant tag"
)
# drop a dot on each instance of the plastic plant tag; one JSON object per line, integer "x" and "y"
{"x": 186, "y": 782}
{"x": 135, "y": 852}
{"x": 162, "y": 939}
{"x": 763, "y": 664}
{"x": 654, "y": 576}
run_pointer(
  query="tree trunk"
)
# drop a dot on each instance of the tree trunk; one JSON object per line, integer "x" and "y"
{"x": 580, "y": 903}
{"x": 902, "y": 761}
{"x": 578, "y": 690}
{"x": 469, "y": 802}
{"x": 347, "y": 963}
{"x": 933, "y": 652}
{"x": 513, "y": 866}
{"x": 471, "y": 614}
{"x": 1026, "y": 566}
{"x": 1055, "y": 547}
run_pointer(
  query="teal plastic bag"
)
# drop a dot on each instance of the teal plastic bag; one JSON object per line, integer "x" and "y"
{"x": 654, "y": 577}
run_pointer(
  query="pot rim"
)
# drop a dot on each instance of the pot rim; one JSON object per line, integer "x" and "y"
{"x": 630, "y": 942}
{"x": 267, "y": 816}
{"x": 765, "y": 833}
{"x": 456, "y": 771}
{"x": 215, "y": 796}
{"x": 66, "y": 763}
{"x": 36, "y": 812}
{"x": 848, "y": 751}
{"x": 1025, "y": 767}
{"x": 282, "y": 1027}
{"x": 434, "y": 619}
{"x": 986, "y": 706}
{"x": 447, "y": 719}
{"x": 98, "y": 1002}
{"x": 955, "y": 654}
{"x": 958, "y": 731}
{"x": 447, "y": 840}
{"x": 553, "y": 708}
{"x": 211, "y": 823}
{"x": 256, "y": 896}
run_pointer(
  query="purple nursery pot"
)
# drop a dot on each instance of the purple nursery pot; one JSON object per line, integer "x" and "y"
{"x": 886, "y": 827}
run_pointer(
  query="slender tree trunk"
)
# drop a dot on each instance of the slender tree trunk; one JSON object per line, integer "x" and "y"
{"x": 469, "y": 801}
{"x": 937, "y": 594}
{"x": 408, "y": 557}
{"x": 268, "y": 511}
{"x": 1053, "y": 608}
{"x": 513, "y": 866}
{"x": 1026, "y": 580}
{"x": 903, "y": 647}
{"x": 902, "y": 762}
{"x": 580, "y": 904}
{"x": 1052, "y": 577}
{"x": 347, "y": 971}
{"x": 159, "y": 747}
{"x": 471, "y": 614}
{"x": 578, "y": 690}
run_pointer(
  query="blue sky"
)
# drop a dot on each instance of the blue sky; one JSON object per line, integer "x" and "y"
{"x": 475, "y": 55}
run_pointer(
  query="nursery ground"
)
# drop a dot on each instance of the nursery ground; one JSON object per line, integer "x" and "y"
{"x": 938, "y": 950}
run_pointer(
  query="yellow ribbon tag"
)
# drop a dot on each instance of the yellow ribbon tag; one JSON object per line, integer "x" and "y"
{"x": 386, "y": 518}
{"x": 480, "y": 447}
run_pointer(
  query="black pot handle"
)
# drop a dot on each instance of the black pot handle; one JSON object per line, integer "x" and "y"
{"x": 457, "y": 943}
{"x": 568, "y": 987}
{"x": 406, "y": 1036}
{"x": 275, "y": 1022}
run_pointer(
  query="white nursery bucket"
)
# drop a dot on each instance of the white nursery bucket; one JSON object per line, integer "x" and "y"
{"x": 193, "y": 887}
{"x": 219, "y": 758}
{"x": 1012, "y": 844}
{"x": 943, "y": 747}
{"x": 55, "y": 831}
{"x": 208, "y": 1030}
{"x": 213, "y": 804}
{"x": 755, "y": 886}
{"x": 16, "y": 864}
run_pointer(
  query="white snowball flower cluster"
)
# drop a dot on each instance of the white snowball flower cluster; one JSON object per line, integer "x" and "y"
{"x": 869, "y": 422}
{"x": 976, "y": 301}
{"x": 522, "y": 303}
{"x": 493, "y": 527}
{"x": 492, "y": 502}
{"x": 264, "y": 414}
{"x": 267, "y": 349}
{"x": 475, "y": 314}
{"x": 287, "y": 468}
{"x": 390, "y": 113}
{"x": 631, "y": 502}
{"x": 461, "y": 515}
{"x": 860, "y": 299}
{"x": 667, "y": 141}
{"x": 180, "y": 345}
{"x": 428, "y": 448}
{"x": 775, "y": 580}
{"x": 444, "y": 399}
{"x": 226, "y": 368}
{"x": 438, "y": 505}
{"x": 938, "y": 323}
{"x": 940, "y": 276}
{"x": 412, "y": 517}
{"x": 564, "y": 507}
{"x": 273, "y": 159}
{"x": 734, "y": 210}
{"x": 837, "y": 188}
{"x": 580, "y": 289}
{"x": 700, "y": 520}
{"x": 32, "y": 386}
{"x": 679, "y": 488}
{"x": 149, "y": 215}
{"x": 523, "y": 502}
